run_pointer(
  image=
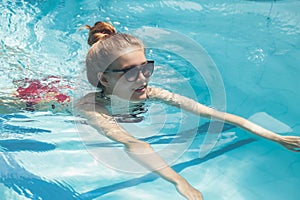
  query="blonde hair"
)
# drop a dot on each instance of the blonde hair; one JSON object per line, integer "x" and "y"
{"x": 106, "y": 46}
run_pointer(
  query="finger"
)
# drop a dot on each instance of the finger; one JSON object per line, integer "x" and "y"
{"x": 294, "y": 149}
{"x": 197, "y": 196}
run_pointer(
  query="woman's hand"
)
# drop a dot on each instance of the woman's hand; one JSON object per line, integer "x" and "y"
{"x": 190, "y": 193}
{"x": 291, "y": 143}
{"x": 140, "y": 151}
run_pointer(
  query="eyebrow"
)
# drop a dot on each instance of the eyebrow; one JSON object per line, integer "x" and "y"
{"x": 131, "y": 66}
{"x": 120, "y": 70}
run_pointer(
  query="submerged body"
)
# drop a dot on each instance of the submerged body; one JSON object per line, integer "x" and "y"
{"x": 117, "y": 65}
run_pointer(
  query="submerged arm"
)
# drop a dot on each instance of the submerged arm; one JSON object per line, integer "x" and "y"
{"x": 139, "y": 150}
{"x": 290, "y": 142}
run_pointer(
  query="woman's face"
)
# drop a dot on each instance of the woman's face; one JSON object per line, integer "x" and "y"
{"x": 117, "y": 84}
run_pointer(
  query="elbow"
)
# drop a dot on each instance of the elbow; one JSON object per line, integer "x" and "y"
{"x": 138, "y": 147}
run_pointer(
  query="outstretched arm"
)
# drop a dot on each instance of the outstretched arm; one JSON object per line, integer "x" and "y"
{"x": 290, "y": 142}
{"x": 140, "y": 151}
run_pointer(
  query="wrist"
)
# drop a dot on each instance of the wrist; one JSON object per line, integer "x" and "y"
{"x": 179, "y": 180}
{"x": 278, "y": 138}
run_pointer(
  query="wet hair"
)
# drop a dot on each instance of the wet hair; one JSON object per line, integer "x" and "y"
{"x": 106, "y": 46}
{"x": 100, "y": 31}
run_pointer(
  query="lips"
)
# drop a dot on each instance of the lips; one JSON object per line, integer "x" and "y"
{"x": 141, "y": 89}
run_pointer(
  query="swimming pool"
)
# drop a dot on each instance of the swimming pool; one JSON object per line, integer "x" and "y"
{"x": 255, "y": 48}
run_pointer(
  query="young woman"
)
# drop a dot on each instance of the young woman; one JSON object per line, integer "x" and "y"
{"x": 117, "y": 65}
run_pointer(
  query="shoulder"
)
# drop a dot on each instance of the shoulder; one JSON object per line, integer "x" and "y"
{"x": 154, "y": 92}
{"x": 91, "y": 102}
{"x": 159, "y": 93}
{"x": 170, "y": 97}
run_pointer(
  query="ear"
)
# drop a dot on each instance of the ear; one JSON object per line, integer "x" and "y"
{"x": 102, "y": 79}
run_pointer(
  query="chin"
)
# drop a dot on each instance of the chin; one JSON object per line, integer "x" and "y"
{"x": 138, "y": 96}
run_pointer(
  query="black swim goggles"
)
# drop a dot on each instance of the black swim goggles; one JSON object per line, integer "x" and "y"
{"x": 132, "y": 73}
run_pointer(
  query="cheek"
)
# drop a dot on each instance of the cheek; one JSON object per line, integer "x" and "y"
{"x": 119, "y": 83}
{"x": 115, "y": 80}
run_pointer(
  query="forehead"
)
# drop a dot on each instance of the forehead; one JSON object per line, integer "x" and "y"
{"x": 129, "y": 58}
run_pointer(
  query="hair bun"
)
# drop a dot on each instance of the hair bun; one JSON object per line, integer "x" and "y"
{"x": 100, "y": 31}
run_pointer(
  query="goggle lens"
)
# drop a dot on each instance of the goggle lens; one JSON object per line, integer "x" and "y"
{"x": 132, "y": 73}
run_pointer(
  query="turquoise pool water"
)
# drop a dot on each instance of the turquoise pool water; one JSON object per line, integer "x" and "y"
{"x": 253, "y": 46}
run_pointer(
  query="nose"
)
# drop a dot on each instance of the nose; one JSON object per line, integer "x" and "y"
{"x": 141, "y": 78}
